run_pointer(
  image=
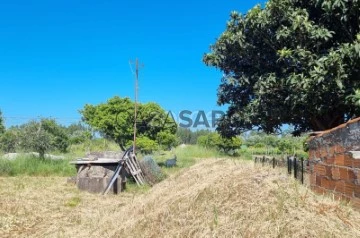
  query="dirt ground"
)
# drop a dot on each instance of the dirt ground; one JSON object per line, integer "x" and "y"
{"x": 214, "y": 198}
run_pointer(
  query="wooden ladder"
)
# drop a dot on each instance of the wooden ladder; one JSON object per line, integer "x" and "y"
{"x": 129, "y": 162}
{"x": 134, "y": 168}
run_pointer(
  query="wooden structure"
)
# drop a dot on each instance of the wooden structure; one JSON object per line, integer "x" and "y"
{"x": 103, "y": 175}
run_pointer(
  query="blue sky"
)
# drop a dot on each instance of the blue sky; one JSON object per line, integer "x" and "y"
{"x": 56, "y": 56}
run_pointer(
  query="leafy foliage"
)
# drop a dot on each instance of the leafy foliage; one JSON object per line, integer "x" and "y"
{"x": 146, "y": 145}
{"x": 167, "y": 140}
{"x": 9, "y": 140}
{"x": 186, "y": 136}
{"x": 78, "y": 133}
{"x": 294, "y": 62}
{"x": 43, "y": 136}
{"x": 214, "y": 140}
{"x": 115, "y": 120}
{"x": 261, "y": 143}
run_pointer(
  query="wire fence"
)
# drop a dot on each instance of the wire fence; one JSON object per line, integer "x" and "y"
{"x": 295, "y": 166}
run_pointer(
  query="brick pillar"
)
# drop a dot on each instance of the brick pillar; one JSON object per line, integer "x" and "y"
{"x": 334, "y": 157}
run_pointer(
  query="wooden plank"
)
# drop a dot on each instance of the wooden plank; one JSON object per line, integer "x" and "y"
{"x": 102, "y": 161}
{"x": 113, "y": 178}
{"x": 134, "y": 172}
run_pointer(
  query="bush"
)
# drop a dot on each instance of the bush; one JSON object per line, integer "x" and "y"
{"x": 146, "y": 145}
{"x": 214, "y": 140}
{"x": 167, "y": 140}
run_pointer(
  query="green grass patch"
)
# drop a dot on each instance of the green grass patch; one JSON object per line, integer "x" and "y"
{"x": 32, "y": 166}
{"x": 186, "y": 156}
{"x": 133, "y": 188}
{"x": 73, "y": 202}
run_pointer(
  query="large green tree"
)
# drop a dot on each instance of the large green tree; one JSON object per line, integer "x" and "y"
{"x": 292, "y": 62}
{"x": 115, "y": 120}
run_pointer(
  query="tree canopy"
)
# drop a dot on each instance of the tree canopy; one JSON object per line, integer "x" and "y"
{"x": 292, "y": 62}
{"x": 43, "y": 136}
{"x": 115, "y": 120}
{"x": 78, "y": 133}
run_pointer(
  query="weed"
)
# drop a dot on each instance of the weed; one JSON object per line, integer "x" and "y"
{"x": 73, "y": 202}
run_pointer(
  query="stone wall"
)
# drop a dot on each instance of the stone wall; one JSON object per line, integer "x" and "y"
{"x": 334, "y": 157}
{"x": 95, "y": 178}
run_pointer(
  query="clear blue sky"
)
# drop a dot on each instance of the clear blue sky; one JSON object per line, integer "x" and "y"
{"x": 56, "y": 56}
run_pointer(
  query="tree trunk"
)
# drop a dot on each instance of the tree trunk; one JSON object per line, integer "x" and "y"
{"x": 42, "y": 154}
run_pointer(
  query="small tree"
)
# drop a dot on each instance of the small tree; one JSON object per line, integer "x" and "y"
{"x": 229, "y": 144}
{"x": 78, "y": 133}
{"x": 9, "y": 140}
{"x": 115, "y": 120}
{"x": 285, "y": 145}
{"x": 43, "y": 136}
{"x": 214, "y": 140}
{"x": 184, "y": 135}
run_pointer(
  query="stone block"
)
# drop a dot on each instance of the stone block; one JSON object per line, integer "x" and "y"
{"x": 348, "y": 160}
{"x": 356, "y": 163}
{"x": 343, "y": 173}
{"x": 327, "y": 183}
{"x": 318, "y": 180}
{"x": 94, "y": 178}
{"x": 335, "y": 173}
{"x": 349, "y": 189}
{"x": 339, "y": 159}
{"x": 98, "y": 185}
{"x": 320, "y": 169}
{"x": 357, "y": 191}
{"x": 330, "y": 160}
{"x": 340, "y": 186}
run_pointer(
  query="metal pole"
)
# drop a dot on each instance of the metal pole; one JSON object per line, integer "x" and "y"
{"x": 136, "y": 92}
{"x": 274, "y": 162}
{"x": 263, "y": 161}
{"x": 289, "y": 165}
{"x": 302, "y": 170}
{"x": 295, "y": 168}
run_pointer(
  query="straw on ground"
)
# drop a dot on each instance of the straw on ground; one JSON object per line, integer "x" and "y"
{"x": 213, "y": 198}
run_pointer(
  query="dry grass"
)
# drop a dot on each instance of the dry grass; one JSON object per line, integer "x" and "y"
{"x": 214, "y": 198}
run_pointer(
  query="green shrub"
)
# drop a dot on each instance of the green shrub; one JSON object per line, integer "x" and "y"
{"x": 146, "y": 145}
{"x": 214, "y": 140}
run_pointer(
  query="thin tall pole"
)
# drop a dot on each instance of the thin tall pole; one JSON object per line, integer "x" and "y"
{"x": 136, "y": 99}
{"x": 137, "y": 66}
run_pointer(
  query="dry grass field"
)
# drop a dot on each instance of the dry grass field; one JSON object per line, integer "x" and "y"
{"x": 213, "y": 198}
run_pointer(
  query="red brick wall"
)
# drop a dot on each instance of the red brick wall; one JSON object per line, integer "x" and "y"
{"x": 334, "y": 162}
